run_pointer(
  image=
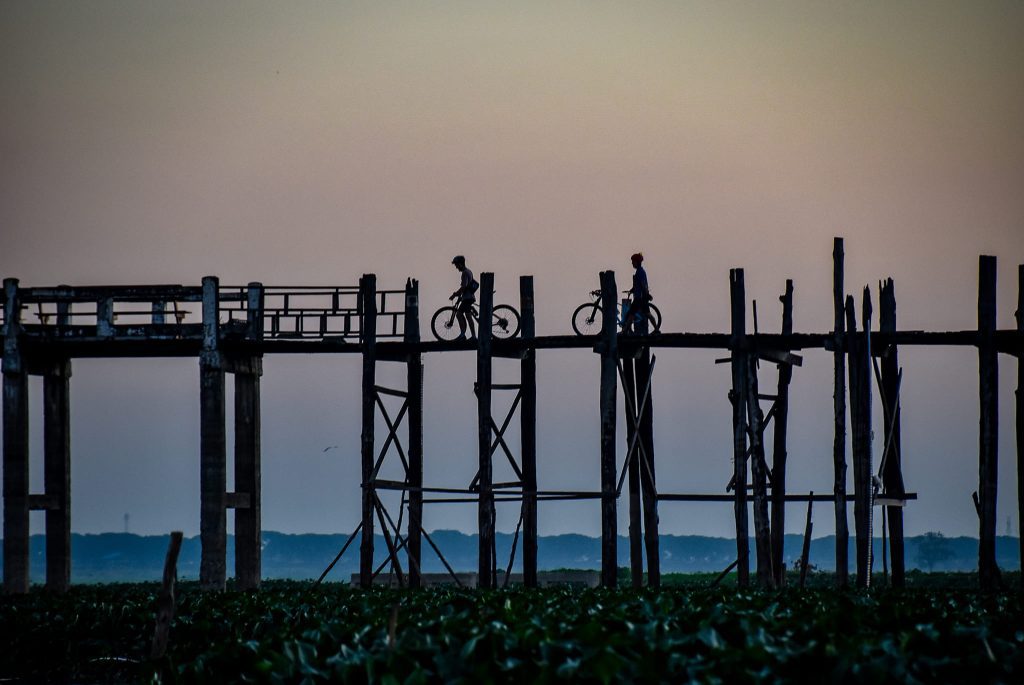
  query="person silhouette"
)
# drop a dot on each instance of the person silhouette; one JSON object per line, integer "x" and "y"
{"x": 638, "y": 310}
{"x": 465, "y": 296}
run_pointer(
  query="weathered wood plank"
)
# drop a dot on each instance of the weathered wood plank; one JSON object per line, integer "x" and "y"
{"x": 368, "y": 333}
{"x": 485, "y": 509}
{"x": 892, "y": 471}
{"x": 779, "y": 452}
{"x": 414, "y": 388}
{"x": 839, "y": 416}
{"x": 57, "y": 475}
{"x": 213, "y": 447}
{"x": 738, "y": 396}
{"x": 988, "y": 433}
{"x": 608, "y": 347}
{"x": 248, "y": 481}
{"x": 528, "y": 432}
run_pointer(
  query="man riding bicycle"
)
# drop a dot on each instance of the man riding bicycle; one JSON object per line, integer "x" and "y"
{"x": 466, "y": 296}
{"x": 638, "y": 310}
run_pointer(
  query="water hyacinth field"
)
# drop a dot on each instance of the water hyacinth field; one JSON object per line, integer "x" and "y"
{"x": 290, "y": 632}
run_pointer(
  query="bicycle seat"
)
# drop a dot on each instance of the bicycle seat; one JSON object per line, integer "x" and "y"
{"x": 595, "y": 293}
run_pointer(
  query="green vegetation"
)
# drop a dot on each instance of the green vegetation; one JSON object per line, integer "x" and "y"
{"x": 288, "y": 632}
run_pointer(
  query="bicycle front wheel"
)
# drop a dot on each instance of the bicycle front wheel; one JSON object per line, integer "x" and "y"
{"x": 655, "y": 319}
{"x": 504, "y": 322}
{"x": 586, "y": 320}
{"x": 445, "y": 324}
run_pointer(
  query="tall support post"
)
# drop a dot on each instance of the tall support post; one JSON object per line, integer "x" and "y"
{"x": 779, "y": 453}
{"x": 414, "y": 385}
{"x": 988, "y": 434}
{"x": 648, "y": 484}
{"x": 368, "y": 332}
{"x": 485, "y": 509}
{"x": 892, "y": 459}
{"x": 57, "y": 473}
{"x": 248, "y": 519}
{"x": 528, "y": 433}
{"x": 740, "y": 359}
{"x": 16, "y": 522}
{"x": 213, "y": 446}
{"x": 860, "y": 415}
{"x": 636, "y": 544}
{"x": 1020, "y": 411}
{"x": 839, "y": 410}
{"x": 609, "y": 350}
{"x": 762, "y": 530}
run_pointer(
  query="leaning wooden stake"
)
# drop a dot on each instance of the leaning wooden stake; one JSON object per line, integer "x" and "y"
{"x": 645, "y": 459}
{"x": 839, "y": 409}
{"x": 892, "y": 470}
{"x": 805, "y": 552}
{"x": 738, "y": 396}
{"x": 636, "y": 546}
{"x": 762, "y": 530}
{"x": 608, "y": 348}
{"x": 166, "y": 600}
{"x": 779, "y": 453}
{"x": 988, "y": 455}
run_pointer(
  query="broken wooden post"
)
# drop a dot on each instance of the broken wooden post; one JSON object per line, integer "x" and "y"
{"x": 166, "y": 600}
{"x": 213, "y": 446}
{"x": 839, "y": 414}
{"x": 740, "y": 359}
{"x": 779, "y": 453}
{"x": 16, "y": 520}
{"x": 805, "y": 551}
{"x": 528, "y": 433}
{"x": 248, "y": 485}
{"x": 368, "y": 335}
{"x": 485, "y": 509}
{"x": 414, "y": 386}
{"x": 988, "y": 434}
{"x": 860, "y": 415}
{"x": 636, "y": 548}
{"x": 608, "y": 348}
{"x": 57, "y": 473}
{"x": 1020, "y": 412}
{"x": 762, "y": 530}
{"x": 892, "y": 456}
{"x": 648, "y": 487}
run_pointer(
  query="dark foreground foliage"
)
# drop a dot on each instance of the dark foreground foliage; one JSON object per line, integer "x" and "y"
{"x": 288, "y": 633}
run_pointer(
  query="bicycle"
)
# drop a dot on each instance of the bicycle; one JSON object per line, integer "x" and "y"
{"x": 586, "y": 320}
{"x": 445, "y": 323}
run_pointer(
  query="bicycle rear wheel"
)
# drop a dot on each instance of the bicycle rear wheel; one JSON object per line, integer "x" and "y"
{"x": 655, "y": 319}
{"x": 586, "y": 320}
{"x": 445, "y": 325}
{"x": 504, "y": 322}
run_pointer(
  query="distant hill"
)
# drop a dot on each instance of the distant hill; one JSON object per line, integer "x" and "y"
{"x": 110, "y": 557}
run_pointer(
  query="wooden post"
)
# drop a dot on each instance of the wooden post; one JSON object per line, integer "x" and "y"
{"x": 839, "y": 409}
{"x": 16, "y": 522}
{"x": 636, "y": 545}
{"x": 368, "y": 333}
{"x": 805, "y": 550}
{"x": 740, "y": 359}
{"x": 414, "y": 385}
{"x": 860, "y": 416}
{"x": 608, "y": 347}
{"x": 485, "y": 509}
{"x": 988, "y": 454}
{"x": 248, "y": 520}
{"x": 1020, "y": 412}
{"x": 779, "y": 453}
{"x": 166, "y": 601}
{"x": 762, "y": 530}
{"x": 57, "y": 473}
{"x": 213, "y": 447}
{"x": 647, "y": 476}
{"x": 892, "y": 473}
{"x": 528, "y": 432}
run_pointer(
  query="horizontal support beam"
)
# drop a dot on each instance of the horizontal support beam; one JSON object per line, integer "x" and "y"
{"x": 879, "y": 501}
{"x": 237, "y": 500}
{"x": 43, "y": 503}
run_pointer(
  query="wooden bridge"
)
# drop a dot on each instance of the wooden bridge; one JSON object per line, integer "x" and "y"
{"x": 231, "y": 329}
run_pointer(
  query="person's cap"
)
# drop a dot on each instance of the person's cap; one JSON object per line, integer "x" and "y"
{"x": 459, "y": 259}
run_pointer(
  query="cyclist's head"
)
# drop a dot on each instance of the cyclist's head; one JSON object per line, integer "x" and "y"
{"x": 637, "y": 259}
{"x": 459, "y": 261}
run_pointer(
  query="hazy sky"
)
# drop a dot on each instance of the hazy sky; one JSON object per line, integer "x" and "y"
{"x": 307, "y": 143}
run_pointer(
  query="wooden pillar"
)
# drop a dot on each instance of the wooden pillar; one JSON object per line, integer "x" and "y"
{"x": 636, "y": 544}
{"x": 609, "y": 350}
{"x": 16, "y": 521}
{"x": 485, "y": 509}
{"x": 762, "y": 529}
{"x": 248, "y": 519}
{"x": 213, "y": 447}
{"x": 740, "y": 359}
{"x": 892, "y": 472}
{"x": 647, "y": 475}
{"x": 414, "y": 385}
{"x": 988, "y": 455}
{"x": 779, "y": 452}
{"x": 839, "y": 410}
{"x": 528, "y": 433}
{"x": 860, "y": 416}
{"x": 368, "y": 333}
{"x": 57, "y": 473}
{"x": 1020, "y": 412}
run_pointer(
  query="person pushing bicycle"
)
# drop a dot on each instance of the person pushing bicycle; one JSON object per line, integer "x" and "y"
{"x": 465, "y": 296}
{"x": 639, "y": 306}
